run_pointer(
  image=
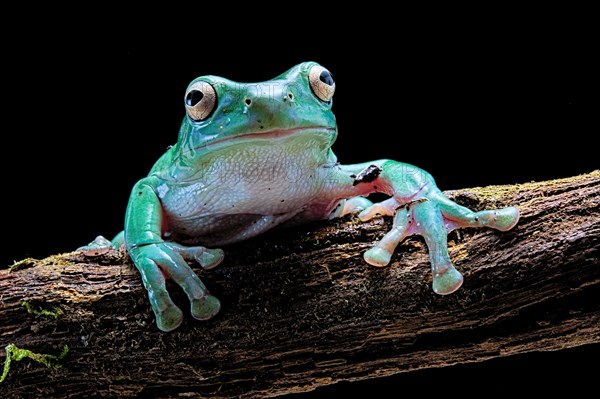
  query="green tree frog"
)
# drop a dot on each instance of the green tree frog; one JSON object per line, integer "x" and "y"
{"x": 253, "y": 156}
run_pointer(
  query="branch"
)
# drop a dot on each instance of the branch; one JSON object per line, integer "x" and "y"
{"x": 302, "y": 309}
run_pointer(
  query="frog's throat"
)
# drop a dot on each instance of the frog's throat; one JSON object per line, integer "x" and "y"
{"x": 275, "y": 134}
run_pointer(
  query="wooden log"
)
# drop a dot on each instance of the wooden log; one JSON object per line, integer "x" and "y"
{"x": 301, "y": 308}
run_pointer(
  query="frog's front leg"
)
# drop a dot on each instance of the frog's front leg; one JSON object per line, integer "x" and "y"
{"x": 158, "y": 260}
{"x": 418, "y": 207}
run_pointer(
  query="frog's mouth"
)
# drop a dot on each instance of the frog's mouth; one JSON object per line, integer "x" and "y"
{"x": 328, "y": 133}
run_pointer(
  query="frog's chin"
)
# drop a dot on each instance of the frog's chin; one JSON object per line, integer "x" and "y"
{"x": 327, "y": 133}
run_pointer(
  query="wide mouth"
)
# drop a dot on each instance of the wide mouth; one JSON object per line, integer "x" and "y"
{"x": 268, "y": 135}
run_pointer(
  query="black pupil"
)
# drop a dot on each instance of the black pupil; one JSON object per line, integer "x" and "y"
{"x": 326, "y": 78}
{"x": 193, "y": 97}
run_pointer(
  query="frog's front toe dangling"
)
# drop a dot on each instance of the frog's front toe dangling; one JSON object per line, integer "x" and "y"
{"x": 378, "y": 256}
{"x": 168, "y": 318}
{"x": 446, "y": 281}
{"x": 205, "y": 308}
{"x": 381, "y": 253}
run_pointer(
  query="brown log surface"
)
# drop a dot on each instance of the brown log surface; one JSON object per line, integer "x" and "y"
{"x": 302, "y": 309}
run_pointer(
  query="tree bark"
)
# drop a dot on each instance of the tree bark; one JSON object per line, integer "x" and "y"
{"x": 302, "y": 309}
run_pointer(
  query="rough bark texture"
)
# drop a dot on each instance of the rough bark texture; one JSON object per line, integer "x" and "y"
{"x": 302, "y": 309}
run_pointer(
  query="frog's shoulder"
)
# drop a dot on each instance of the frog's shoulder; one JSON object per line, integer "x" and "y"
{"x": 175, "y": 168}
{"x": 163, "y": 166}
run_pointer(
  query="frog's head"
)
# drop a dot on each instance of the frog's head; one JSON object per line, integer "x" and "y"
{"x": 221, "y": 112}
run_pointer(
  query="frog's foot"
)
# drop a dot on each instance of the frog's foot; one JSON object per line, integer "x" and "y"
{"x": 101, "y": 245}
{"x": 433, "y": 218}
{"x": 157, "y": 262}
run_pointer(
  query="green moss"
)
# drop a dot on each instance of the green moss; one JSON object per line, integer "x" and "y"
{"x": 17, "y": 354}
{"x": 42, "y": 312}
{"x": 494, "y": 193}
{"x": 64, "y": 259}
{"x": 22, "y": 264}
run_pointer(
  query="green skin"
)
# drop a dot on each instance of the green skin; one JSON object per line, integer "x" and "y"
{"x": 262, "y": 158}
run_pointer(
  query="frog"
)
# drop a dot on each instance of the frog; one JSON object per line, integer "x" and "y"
{"x": 251, "y": 157}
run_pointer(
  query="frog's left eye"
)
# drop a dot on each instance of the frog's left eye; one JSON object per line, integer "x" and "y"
{"x": 200, "y": 100}
{"x": 321, "y": 83}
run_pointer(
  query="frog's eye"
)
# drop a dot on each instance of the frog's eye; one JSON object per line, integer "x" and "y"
{"x": 200, "y": 100}
{"x": 321, "y": 83}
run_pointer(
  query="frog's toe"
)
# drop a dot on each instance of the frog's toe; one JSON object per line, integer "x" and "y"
{"x": 377, "y": 256}
{"x": 447, "y": 282}
{"x": 168, "y": 318}
{"x": 98, "y": 247}
{"x": 505, "y": 219}
{"x": 210, "y": 258}
{"x": 206, "y": 307}
{"x": 384, "y": 208}
{"x": 381, "y": 253}
{"x": 355, "y": 204}
{"x": 206, "y": 257}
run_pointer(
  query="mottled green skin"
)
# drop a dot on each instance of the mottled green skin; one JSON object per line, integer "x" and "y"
{"x": 263, "y": 159}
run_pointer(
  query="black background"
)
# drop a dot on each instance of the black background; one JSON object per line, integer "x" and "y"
{"x": 89, "y": 108}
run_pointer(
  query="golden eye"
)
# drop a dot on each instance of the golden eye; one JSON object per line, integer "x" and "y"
{"x": 321, "y": 83}
{"x": 200, "y": 100}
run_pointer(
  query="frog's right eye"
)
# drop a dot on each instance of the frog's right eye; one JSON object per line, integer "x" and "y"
{"x": 200, "y": 100}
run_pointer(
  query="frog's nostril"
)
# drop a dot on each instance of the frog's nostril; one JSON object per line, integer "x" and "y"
{"x": 248, "y": 101}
